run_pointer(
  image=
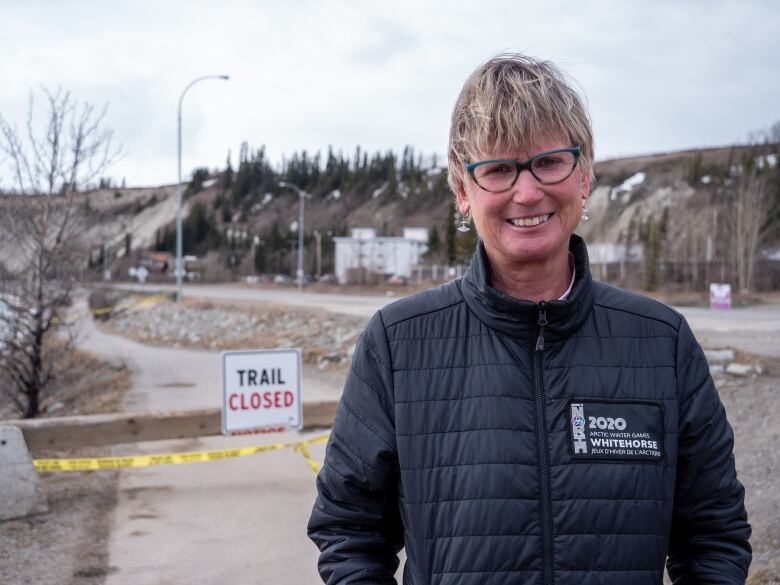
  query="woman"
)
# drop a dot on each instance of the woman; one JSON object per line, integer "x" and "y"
{"x": 525, "y": 424}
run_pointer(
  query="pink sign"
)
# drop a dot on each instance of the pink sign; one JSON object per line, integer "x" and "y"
{"x": 720, "y": 296}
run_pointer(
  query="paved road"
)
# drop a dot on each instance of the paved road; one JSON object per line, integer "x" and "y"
{"x": 752, "y": 329}
{"x": 237, "y": 521}
{"x": 360, "y": 305}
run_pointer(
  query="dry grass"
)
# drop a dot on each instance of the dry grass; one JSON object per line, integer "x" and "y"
{"x": 761, "y": 577}
{"x": 69, "y": 544}
{"x": 83, "y": 385}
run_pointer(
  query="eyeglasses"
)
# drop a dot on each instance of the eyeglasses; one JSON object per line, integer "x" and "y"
{"x": 549, "y": 168}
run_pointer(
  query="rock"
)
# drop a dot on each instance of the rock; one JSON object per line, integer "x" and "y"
{"x": 719, "y": 356}
{"x": 736, "y": 369}
{"x": 19, "y": 483}
{"x": 716, "y": 369}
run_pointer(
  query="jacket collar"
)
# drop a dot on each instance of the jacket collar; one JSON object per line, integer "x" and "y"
{"x": 518, "y": 317}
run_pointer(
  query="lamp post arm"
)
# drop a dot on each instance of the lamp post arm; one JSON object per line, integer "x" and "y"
{"x": 179, "y": 192}
{"x": 301, "y": 198}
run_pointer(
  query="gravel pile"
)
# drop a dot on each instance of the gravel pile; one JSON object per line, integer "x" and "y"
{"x": 326, "y": 339}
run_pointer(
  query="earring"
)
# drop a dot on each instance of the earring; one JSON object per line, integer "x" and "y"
{"x": 584, "y": 216}
{"x": 464, "y": 226}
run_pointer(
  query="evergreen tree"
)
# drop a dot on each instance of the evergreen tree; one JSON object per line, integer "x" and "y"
{"x": 449, "y": 231}
{"x": 227, "y": 183}
{"x": 467, "y": 243}
{"x": 390, "y": 174}
{"x": 259, "y": 259}
{"x": 196, "y": 184}
{"x": 434, "y": 244}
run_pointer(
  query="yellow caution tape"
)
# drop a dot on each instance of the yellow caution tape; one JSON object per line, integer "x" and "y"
{"x": 301, "y": 448}
{"x": 146, "y": 301}
{"x": 97, "y": 463}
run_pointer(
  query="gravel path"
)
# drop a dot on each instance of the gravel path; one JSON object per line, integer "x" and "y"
{"x": 753, "y": 407}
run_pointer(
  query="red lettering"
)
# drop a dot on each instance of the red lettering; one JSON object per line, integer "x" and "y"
{"x": 257, "y": 400}
{"x": 259, "y": 431}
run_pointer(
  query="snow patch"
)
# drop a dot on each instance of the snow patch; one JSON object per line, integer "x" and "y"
{"x": 210, "y": 183}
{"x": 5, "y": 327}
{"x": 260, "y": 204}
{"x": 772, "y": 254}
{"x": 378, "y": 192}
{"x": 766, "y": 161}
{"x": 627, "y": 186}
{"x": 706, "y": 179}
{"x": 334, "y": 195}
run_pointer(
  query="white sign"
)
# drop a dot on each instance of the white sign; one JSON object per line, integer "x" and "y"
{"x": 720, "y": 296}
{"x": 261, "y": 389}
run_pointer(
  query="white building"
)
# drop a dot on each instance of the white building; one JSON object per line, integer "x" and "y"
{"x": 380, "y": 255}
{"x": 603, "y": 253}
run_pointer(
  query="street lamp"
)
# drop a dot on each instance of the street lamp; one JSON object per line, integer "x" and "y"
{"x": 179, "y": 192}
{"x": 301, "y": 196}
{"x": 318, "y": 238}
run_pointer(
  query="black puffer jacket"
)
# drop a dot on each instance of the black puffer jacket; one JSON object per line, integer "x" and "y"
{"x": 507, "y": 442}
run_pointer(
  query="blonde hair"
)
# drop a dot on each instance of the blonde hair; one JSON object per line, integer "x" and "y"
{"x": 509, "y": 103}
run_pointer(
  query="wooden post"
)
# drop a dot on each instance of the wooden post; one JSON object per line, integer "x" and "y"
{"x": 113, "y": 429}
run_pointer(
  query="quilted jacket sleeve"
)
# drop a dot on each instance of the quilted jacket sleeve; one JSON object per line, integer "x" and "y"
{"x": 355, "y": 521}
{"x": 709, "y": 536}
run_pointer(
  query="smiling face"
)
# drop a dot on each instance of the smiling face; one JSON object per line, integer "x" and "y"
{"x": 529, "y": 223}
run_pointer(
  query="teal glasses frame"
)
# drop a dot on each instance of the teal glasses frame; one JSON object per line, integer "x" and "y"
{"x": 525, "y": 165}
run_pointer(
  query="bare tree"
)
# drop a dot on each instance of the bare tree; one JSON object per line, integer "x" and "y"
{"x": 752, "y": 213}
{"x": 60, "y": 151}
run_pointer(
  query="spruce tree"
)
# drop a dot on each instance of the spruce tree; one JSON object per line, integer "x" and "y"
{"x": 449, "y": 231}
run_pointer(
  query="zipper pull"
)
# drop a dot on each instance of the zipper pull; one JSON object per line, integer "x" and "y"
{"x": 542, "y": 324}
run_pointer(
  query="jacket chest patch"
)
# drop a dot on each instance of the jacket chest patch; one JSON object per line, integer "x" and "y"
{"x": 615, "y": 430}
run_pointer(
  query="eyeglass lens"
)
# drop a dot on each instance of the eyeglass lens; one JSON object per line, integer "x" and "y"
{"x": 547, "y": 168}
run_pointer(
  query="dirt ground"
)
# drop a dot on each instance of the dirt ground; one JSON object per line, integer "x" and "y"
{"x": 753, "y": 407}
{"x": 69, "y": 544}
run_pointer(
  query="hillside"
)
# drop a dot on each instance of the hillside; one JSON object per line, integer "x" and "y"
{"x": 671, "y": 207}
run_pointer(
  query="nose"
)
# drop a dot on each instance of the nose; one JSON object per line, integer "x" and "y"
{"x": 527, "y": 190}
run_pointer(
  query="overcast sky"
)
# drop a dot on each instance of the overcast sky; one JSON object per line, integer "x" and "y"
{"x": 658, "y": 75}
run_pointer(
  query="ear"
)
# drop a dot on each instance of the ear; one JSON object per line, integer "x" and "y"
{"x": 462, "y": 200}
{"x": 585, "y": 183}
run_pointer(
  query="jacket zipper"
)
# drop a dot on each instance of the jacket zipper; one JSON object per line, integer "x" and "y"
{"x": 543, "y": 456}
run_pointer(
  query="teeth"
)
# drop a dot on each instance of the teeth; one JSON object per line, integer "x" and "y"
{"x": 530, "y": 221}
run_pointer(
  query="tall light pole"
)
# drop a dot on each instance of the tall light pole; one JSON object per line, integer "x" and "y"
{"x": 301, "y": 196}
{"x": 179, "y": 192}
{"x": 318, "y": 238}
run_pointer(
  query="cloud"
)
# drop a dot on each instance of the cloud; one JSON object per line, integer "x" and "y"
{"x": 658, "y": 76}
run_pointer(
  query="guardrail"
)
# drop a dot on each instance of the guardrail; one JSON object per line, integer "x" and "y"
{"x": 21, "y": 488}
{"x": 112, "y": 429}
